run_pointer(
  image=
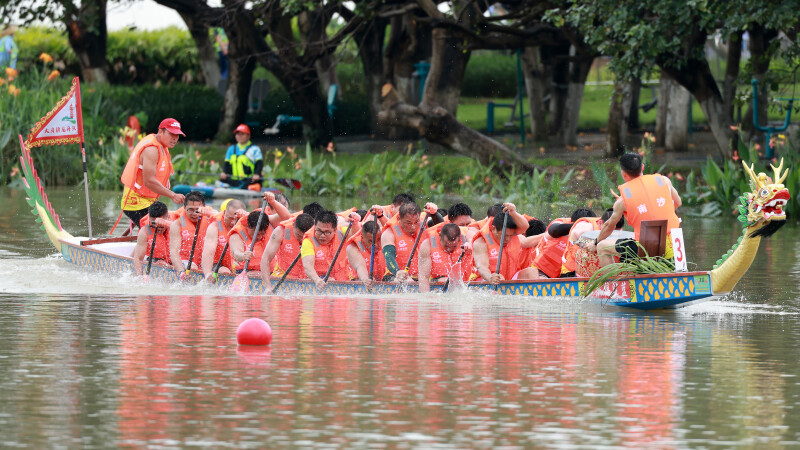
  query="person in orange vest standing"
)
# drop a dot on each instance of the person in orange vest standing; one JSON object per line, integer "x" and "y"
{"x": 146, "y": 175}
{"x": 642, "y": 197}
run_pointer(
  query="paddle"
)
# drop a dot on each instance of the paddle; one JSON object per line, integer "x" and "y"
{"x": 336, "y": 255}
{"x": 194, "y": 244}
{"x": 152, "y": 251}
{"x": 241, "y": 282}
{"x": 372, "y": 253}
{"x": 447, "y": 283}
{"x": 290, "y": 183}
{"x": 502, "y": 243}
{"x": 285, "y": 274}
{"x": 416, "y": 242}
{"x": 219, "y": 262}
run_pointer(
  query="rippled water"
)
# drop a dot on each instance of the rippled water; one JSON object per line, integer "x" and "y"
{"x": 93, "y": 360}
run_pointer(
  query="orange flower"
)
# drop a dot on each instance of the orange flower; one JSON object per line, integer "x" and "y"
{"x": 298, "y": 164}
{"x": 53, "y": 75}
{"x": 2, "y": 81}
{"x": 197, "y": 154}
{"x": 433, "y": 186}
{"x": 13, "y": 90}
{"x": 46, "y": 58}
{"x": 487, "y": 180}
{"x": 11, "y": 73}
{"x": 331, "y": 148}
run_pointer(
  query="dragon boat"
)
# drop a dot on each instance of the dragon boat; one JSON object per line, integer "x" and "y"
{"x": 761, "y": 214}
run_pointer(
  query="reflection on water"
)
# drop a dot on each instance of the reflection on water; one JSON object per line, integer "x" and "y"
{"x": 94, "y": 360}
{"x": 166, "y": 370}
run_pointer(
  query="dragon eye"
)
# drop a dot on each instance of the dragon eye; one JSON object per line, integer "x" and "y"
{"x": 764, "y": 192}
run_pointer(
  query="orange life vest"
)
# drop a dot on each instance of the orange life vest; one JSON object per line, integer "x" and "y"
{"x": 323, "y": 256}
{"x": 550, "y": 251}
{"x": 568, "y": 260}
{"x": 442, "y": 262}
{"x": 290, "y": 248}
{"x": 222, "y": 239}
{"x": 511, "y": 263}
{"x": 365, "y": 248}
{"x": 132, "y": 176}
{"x": 171, "y": 215}
{"x": 648, "y": 197}
{"x": 258, "y": 250}
{"x": 187, "y": 237}
{"x": 403, "y": 243}
{"x": 161, "y": 252}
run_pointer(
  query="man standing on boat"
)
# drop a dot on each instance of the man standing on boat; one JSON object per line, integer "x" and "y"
{"x": 157, "y": 229}
{"x": 642, "y": 197}
{"x": 185, "y": 239}
{"x": 243, "y": 161}
{"x": 146, "y": 175}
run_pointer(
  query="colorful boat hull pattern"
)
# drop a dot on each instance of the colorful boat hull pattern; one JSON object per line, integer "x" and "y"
{"x": 640, "y": 292}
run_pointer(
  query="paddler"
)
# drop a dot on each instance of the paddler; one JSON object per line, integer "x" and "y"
{"x": 320, "y": 245}
{"x": 156, "y": 229}
{"x": 486, "y": 246}
{"x": 283, "y": 247}
{"x": 439, "y": 256}
{"x": 243, "y": 161}
{"x": 397, "y": 241}
{"x": 359, "y": 254}
{"x": 186, "y": 240}
{"x": 240, "y": 238}
{"x": 146, "y": 175}
{"x": 549, "y": 253}
{"x": 581, "y": 226}
{"x": 642, "y": 197}
{"x": 217, "y": 236}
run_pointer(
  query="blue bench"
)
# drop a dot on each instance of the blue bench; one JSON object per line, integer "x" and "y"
{"x": 286, "y": 119}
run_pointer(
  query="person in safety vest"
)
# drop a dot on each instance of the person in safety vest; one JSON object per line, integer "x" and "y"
{"x": 156, "y": 229}
{"x": 189, "y": 224}
{"x": 397, "y": 241}
{"x": 243, "y": 161}
{"x": 283, "y": 247}
{"x": 217, "y": 236}
{"x": 439, "y": 257}
{"x": 486, "y": 246}
{"x": 642, "y": 197}
{"x": 146, "y": 175}
{"x": 359, "y": 254}
{"x": 240, "y": 238}
{"x": 319, "y": 248}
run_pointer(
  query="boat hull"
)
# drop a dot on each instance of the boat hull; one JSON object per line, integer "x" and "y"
{"x": 644, "y": 292}
{"x": 221, "y": 192}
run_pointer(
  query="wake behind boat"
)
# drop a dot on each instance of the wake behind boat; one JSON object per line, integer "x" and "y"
{"x": 761, "y": 213}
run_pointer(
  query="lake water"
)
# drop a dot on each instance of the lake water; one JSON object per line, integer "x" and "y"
{"x": 92, "y": 361}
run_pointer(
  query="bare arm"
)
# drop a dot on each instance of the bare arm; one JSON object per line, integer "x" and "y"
{"x": 480, "y": 253}
{"x": 425, "y": 266}
{"x": 519, "y": 220}
{"x": 676, "y": 198}
{"x": 237, "y": 248}
{"x": 281, "y": 212}
{"x": 531, "y": 241}
{"x": 356, "y": 260}
{"x": 209, "y": 249}
{"x": 274, "y": 244}
{"x": 149, "y": 163}
{"x": 175, "y": 246}
{"x": 140, "y": 251}
{"x": 610, "y": 224}
{"x": 308, "y": 267}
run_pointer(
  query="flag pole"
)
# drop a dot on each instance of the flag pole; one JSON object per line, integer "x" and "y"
{"x": 83, "y": 155}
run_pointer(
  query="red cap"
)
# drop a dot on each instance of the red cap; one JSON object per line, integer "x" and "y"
{"x": 172, "y": 125}
{"x": 242, "y": 128}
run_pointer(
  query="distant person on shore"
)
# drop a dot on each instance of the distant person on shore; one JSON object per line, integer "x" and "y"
{"x": 221, "y": 46}
{"x": 243, "y": 161}
{"x": 8, "y": 48}
{"x": 146, "y": 175}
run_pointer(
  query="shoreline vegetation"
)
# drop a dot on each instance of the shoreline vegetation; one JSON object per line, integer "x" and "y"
{"x": 563, "y": 182}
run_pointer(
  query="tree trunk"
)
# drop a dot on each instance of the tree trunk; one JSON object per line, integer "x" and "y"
{"x": 617, "y": 130}
{"x": 695, "y": 75}
{"x": 88, "y": 36}
{"x": 579, "y": 70}
{"x": 677, "y": 127}
{"x": 534, "y": 84}
{"x": 449, "y": 62}
{"x": 370, "y": 46}
{"x": 437, "y": 125}
{"x": 207, "y": 56}
{"x": 558, "y": 95}
{"x": 759, "y": 60}
{"x": 240, "y": 77}
{"x": 409, "y": 43}
{"x": 633, "y": 111}
{"x": 733, "y": 61}
{"x": 661, "y": 111}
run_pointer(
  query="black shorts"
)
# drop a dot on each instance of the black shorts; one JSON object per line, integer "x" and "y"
{"x": 568, "y": 275}
{"x": 137, "y": 215}
{"x": 628, "y": 249}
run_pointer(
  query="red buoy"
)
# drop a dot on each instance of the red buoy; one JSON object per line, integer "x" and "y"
{"x": 254, "y": 332}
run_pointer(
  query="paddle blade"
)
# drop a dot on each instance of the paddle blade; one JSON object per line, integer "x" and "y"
{"x": 289, "y": 183}
{"x": 241, "y": 283}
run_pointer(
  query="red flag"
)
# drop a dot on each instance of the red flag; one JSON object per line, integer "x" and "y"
{"x": 62, "y": 125}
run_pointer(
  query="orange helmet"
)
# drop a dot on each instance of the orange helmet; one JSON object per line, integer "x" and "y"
{"x": 242, "y": 128}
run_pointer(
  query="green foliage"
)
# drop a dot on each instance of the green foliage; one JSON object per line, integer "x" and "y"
{"x": 490, "y": 75}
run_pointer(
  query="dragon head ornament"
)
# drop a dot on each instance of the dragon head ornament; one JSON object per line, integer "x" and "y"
{"x": 764, "y": 205}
